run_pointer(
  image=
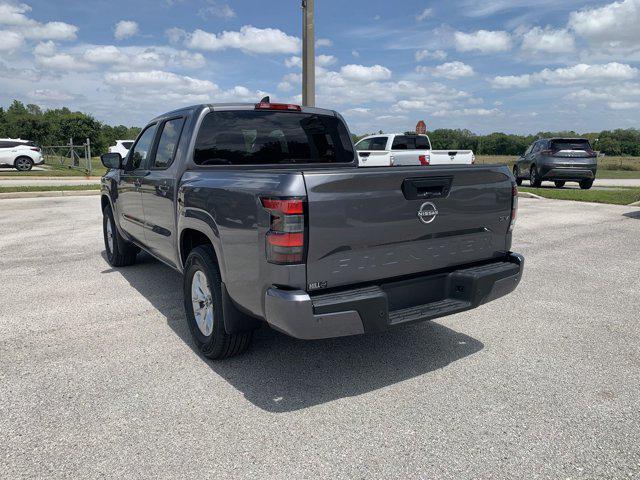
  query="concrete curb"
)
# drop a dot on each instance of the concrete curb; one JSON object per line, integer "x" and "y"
{"x": 634, "y": 204}
{"x": 52, "y": 193}
{"x": 529, "y": 195}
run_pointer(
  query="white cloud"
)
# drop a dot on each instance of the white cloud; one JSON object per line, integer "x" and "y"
{"x": 355, "y": 54}
{"x": 623, "y": 105}
{"x": 62, "y": 62}
{"x": 577, "y": 74}
{"x": 430, "y": 54}
{"x": 125, "y": 29}
{"x": 323, "y": 42}
{"x": 511, "y": 81}
{"x": 152, "y": 86}
{"x": 249, "y": 39}
{"x": 358, "y": 111}
{"x": 45, "y": 49}
{"x": 365, "y": 74}
{"x": 293, "y": 62}
{"x": 467, "y": 112}
{"x": 548, "y": 41}
{"x": 450, "y": 70}
{"x": 14, "y": 14}
{"x": 216, "y": 9}
{"x": 483, "y": 41}
{"x": 10, "y": 40}
{"x": 614, "y": 26}
{"x": 49, "y": 95}
{"x": 175, "y": 35}
{"x": 424, "y": 14}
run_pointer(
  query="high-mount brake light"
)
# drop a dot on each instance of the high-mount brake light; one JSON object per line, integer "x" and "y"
{"x": 278, "y": 106}
{"x": 285, "y": 240}
{"x": 514, "y": 207}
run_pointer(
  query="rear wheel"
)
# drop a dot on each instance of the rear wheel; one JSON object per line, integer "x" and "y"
{"x": 586, "y": 184}
{"x": 559, "y": 184}
{"x": 120, "y": 253}
{"x": 534, "y": 179}
{"x": 203, "y": 306}
{"x": 516, "y": 174}
{"x": 23, "y": 164}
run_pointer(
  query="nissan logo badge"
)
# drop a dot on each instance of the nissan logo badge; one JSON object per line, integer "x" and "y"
{"x": 428, "y": 212}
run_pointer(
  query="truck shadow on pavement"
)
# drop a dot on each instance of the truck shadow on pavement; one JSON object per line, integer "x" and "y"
{"x": 282, "y": 374}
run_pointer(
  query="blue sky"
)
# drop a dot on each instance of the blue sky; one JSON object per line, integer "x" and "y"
{"x": 485, "y": 65}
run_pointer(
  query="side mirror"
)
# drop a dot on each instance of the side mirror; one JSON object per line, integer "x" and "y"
{"x": 112, "y": 160}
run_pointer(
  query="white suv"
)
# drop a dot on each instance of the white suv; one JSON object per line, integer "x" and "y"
{"x": 20, "y": 154}
{"x": 122, "y": 147}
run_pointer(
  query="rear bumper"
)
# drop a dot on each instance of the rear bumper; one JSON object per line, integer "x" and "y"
{"x": 567, "y": 174}
{"x": 382, "y": 307}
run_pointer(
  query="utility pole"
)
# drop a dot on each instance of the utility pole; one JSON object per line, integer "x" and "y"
{"x": 308, "y": 55}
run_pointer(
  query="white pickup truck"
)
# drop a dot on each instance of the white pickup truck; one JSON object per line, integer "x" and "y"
{"x": 401, "y": 149}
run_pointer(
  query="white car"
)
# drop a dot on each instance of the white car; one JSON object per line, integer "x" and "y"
{"x": 401, "y": 149}
{"x": 20, "y": 154}
{"x": 122, "y": 147}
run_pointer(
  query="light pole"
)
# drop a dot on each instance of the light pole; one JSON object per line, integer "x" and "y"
{"x": 308, "y": 55}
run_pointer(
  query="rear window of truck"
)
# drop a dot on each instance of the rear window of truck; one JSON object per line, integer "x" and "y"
{"x": 248, "y": 137}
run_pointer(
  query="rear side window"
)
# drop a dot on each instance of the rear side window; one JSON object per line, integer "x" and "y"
{"x": 378, "y": 143}
{"x": 127, "y": 145}
{"x": 250, "y": 137}
{"x": 577, "y": 144}
{"x": 168, "y": 143}
{"x": 400, "y": 143}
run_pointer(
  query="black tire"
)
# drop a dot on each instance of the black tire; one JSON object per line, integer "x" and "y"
{"x": 559, "y": 184}
{"x": 218, "y": 344}
{"x": 586, "y": 184}
{"x": 534, "y": 179}
{"x": 23, "y": 164}
{"x": 120, "y": 253}
{"x": 517, "y": 176}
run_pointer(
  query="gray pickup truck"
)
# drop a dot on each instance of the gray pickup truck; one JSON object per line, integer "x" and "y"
{"x": 264, "y": 211}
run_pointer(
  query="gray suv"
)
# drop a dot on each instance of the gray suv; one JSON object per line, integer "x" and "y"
{"x": 558, "y": 160}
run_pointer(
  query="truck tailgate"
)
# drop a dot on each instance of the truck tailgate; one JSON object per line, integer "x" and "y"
{"x": 364, "y": 225}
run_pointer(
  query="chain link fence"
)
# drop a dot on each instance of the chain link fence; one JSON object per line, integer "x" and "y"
{"x": 72, "y": 156}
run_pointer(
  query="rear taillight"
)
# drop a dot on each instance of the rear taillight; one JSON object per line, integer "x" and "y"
{"x": 424, "y": 159}
{"x": 285, "y": 240}
{"x": 278, "y": 106}
{"x": 514, "y": 207}
{"x": 35, "y": 149}
{"x": 473, "y": 159}
{"x": 392, "y": 160}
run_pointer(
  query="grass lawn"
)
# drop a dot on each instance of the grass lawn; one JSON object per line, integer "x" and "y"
{"x": 47, "y": 188}
{"x": 618, "y": 174}
{"x": 54, "y": 169}
{"x": 616, "y": 196}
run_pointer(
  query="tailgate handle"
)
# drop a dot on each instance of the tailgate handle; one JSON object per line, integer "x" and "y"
{"x": 419, "y": 188}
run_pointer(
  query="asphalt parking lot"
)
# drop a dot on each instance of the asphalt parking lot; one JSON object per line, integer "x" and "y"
{"x": 98, "y": 376}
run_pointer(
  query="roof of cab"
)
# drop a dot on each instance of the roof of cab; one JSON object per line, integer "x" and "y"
{"x": 236, "y": 105}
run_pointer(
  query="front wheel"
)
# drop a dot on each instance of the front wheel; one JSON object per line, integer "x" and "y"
{"x": 120, "y": 253}
{"x": 586, "y": 184}
{"x": 559, "y": 184}
{"x": 23, "y": 164}
{"x": 516, "y": 175}
{"x": 203, "y": 306}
